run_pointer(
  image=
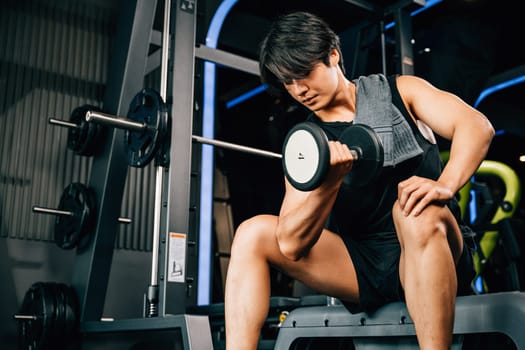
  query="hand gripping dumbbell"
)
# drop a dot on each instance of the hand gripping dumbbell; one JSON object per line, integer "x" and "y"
{"x": 306, "y": 155}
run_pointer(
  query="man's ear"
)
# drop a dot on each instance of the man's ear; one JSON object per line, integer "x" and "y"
{"x": 334, "y": 57}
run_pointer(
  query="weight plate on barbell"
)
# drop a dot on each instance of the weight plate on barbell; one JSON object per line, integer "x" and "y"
{"x": 70, "y": 230}
{"x": 306, "y": 156}
{"x": 86, "y": 138}
{"x": 369, "y": 147}
{"x": 147, "y": 108}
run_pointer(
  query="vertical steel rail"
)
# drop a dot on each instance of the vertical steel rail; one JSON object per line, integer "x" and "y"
{"x": 404, "y": 48}
{"x": 153, "y": 290}
{"x": 176, "y": 238}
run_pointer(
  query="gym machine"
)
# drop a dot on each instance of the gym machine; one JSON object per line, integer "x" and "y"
{"x": 51, "y": 311}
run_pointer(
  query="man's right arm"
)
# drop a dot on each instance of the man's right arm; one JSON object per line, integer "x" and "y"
{"x": 304, "y": 214}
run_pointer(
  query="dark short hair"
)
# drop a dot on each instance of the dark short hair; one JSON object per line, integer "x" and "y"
{"x": 295, "y": 43}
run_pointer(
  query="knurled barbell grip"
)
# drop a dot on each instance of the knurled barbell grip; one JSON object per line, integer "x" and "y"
{"x": 53, "y": 211}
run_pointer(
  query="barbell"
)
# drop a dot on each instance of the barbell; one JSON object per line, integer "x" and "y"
{"x": 305, "y": 157}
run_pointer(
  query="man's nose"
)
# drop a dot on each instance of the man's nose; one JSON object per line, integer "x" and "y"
{"x": 299, "y": 87}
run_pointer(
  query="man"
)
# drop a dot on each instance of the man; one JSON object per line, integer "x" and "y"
{"x": 398, "y": 238}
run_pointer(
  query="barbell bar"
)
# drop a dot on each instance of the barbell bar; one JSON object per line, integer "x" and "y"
{"x": 127, "y": 124}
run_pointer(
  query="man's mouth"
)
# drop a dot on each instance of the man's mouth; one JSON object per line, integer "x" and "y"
{"x": 308, "y": 100}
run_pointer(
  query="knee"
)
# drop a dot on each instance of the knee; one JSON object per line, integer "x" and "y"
{"x": 252, "y": 235}
{"x": 419, "y": 231}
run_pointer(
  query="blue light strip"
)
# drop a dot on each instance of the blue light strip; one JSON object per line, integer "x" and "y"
{"x": 497, "y": 87}
{"x": 207, "y": 164}
{"x": 247, "y": 95}
{"x": 428, "y": 4}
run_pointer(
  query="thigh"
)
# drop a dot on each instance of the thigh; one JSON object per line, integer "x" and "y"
{"x": 327, "y": 268}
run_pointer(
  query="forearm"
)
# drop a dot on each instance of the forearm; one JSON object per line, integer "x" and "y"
{"x": 468, "y": 149}
{"x": 302, "y": 219}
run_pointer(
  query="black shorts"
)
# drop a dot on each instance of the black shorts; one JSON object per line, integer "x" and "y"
{"x": 376, "y": 261}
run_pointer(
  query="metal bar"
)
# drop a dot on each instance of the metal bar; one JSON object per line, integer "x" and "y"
{"x": 51, "y": 211}
{"x": 227, "y": 59}
{"x": 153, "y": 290}
{"x": 404, "y": 48}
{"x": 124, "y": 123}
{"x": 236, "y": 147}
{"x": 366, "y": 5}
{"x": 25, "y": 317}
{"x": 115, "y": 121}
{"x": 175, "y": 294}
{"x": 61, "y": 122}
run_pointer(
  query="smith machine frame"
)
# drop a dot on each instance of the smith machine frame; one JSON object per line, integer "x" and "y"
{"x": 174, "y": 223}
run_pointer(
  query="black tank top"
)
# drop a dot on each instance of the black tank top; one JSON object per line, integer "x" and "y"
{"x": 367, "y": 211}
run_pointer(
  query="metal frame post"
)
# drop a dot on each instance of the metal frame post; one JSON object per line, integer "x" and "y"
{"x": 109, "y": 170}
{"x": 178, "y": 248}
{"x": 404, "y": 49}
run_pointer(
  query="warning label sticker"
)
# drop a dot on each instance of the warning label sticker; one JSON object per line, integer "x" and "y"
{"x": 177, "y": 257}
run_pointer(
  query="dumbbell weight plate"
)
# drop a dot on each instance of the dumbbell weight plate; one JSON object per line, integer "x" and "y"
{"x": 148, "y": 108}
{"x": 306, "y": 156}
{"x": 365, "y": 141}
{"x": 71, "y": 230}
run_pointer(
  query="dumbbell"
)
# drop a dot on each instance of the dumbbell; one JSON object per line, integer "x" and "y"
{"x": 306, "y": 155}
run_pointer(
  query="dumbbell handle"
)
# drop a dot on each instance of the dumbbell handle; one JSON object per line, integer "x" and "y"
{"x": 355, "y": 154}
{"x": 52, "y": 211}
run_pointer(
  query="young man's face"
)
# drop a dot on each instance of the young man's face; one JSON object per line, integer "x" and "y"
{"x": 318, "y": 89}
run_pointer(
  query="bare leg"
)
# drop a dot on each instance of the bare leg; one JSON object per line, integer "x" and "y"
{"x": 430, "y": 245}
{"x": 327, "y": 268}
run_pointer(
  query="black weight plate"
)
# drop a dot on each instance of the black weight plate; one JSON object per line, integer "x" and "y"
{"x": 37, "y": 333}
{"x": 59, "y": 325}
{"x": 71, "y": 311}
{"x": 369, "y": 147}
{"x": 306, "y": 156}
{"x": 87, "y": 138}
{"x": 70, "y": 230}
{"x": 148, "y": 108}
